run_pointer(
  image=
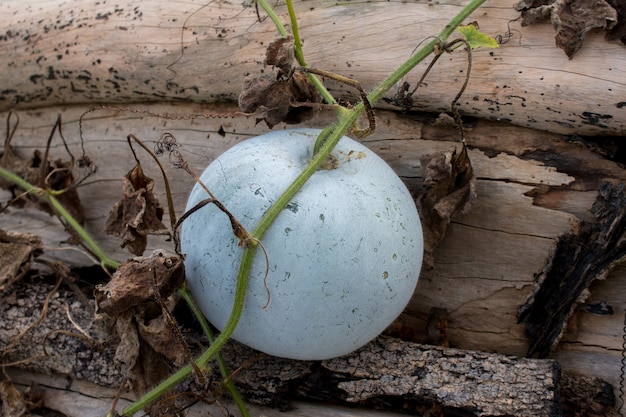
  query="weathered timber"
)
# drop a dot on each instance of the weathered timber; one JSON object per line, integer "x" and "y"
{"x": 77, "y": 398}
{"x": 576, "y": 390}
{"x": 532, "y": 188}
{"x": 387, "y": 373}
{"x": 580, "y": 257}
{"x": 91, "y": 52}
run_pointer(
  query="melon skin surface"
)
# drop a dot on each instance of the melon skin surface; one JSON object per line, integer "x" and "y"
{"x": 344, "y": 255}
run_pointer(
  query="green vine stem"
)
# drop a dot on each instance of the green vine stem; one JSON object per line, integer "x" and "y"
{"x": 203, "y": 360}
{"x": 48, "y": 197}
{"x": 296, "y": 33}
{"x": 330, "y": 137}
{"x": 206, "y": 329}
{"x": 319, "y": 86}
{"x": 273, "y": 17}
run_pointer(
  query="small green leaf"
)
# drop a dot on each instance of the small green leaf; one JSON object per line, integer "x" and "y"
{"x": 477, "y": 39}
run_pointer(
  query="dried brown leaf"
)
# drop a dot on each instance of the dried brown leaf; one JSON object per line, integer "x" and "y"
{"x": 127, "y": 350}
{"x": 17, "y": 251}
{"x": 139, "y": 362}
{"x": 53, "y": 175}
{"x": 528, "y": 4}
{"x": 572, "y": 19}
{"x": 450, "y": 189}
{"x": 285, "y": 95}
{"x": 13, "y": 163}
{"x": 137, "y": 214}
{"x": 283, "y": 100}
{"x": 133, "y": 283}
{"x": 58, "y": 177}
{"x": 280, "y": 53}
{"x": 534, "y": 12}
{"x": 147, "y": 343}
{"x": 159, "y": 335}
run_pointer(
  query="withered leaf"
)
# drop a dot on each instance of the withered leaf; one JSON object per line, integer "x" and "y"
{"x": 10, "y": 161}
{"x": 450, "y": 189}
{"x": 54, "y": 175}
{"x": 159, "y": 335}
{"x": 533, "y": 12}
{"x": 137, "y": 214}
{"x": 133, "y": 282}
{"x": 285, "y": 95}
{"x": 139, "y": 362}
{"x": 280, "y": 53}
{"x": 58, "y": 177}
{"x": 146, "y": 341}
{"x": 284, "y": 100}
{"x": 530, "y": 4}
{"x": 571, "y": 19}
{"x": 127, "y": 350}
{"x": 17, "y": 251}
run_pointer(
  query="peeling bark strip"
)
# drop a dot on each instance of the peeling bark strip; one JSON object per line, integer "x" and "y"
{"x": 579, "y": 258}
{"x": 408, "y": 377}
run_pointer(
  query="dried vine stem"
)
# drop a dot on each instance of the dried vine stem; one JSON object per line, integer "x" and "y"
{"x": 167, "y": 143}
{"x": 369, "y": 111}
{"x": 405, "y": 100}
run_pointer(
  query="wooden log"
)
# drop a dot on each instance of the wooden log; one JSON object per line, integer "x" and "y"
{"x": 91, "y": 52}
{"x": 84, "y": 399}
{"x": 532, "y": 188}
{"x": 412, "y": 378}
{"x": 585, "y": 255}
{"x": 387, "y": 373}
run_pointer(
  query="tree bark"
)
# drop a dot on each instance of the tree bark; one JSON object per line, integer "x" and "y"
{"x": 387, "y": 373}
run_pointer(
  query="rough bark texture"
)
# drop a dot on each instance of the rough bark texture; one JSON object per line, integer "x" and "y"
{"x": 408, "y": 377}
{"x": 387, "y": 373}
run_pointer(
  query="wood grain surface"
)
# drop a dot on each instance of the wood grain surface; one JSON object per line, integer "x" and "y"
{"x": 91, "y": 51}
